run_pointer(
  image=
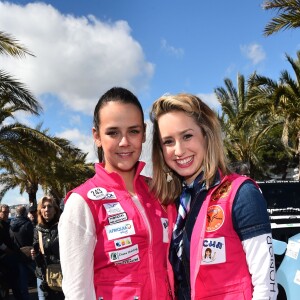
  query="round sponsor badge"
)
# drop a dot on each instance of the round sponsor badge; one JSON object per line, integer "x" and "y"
{"x": 97, "y": 193}
{"x": 215, "y": 218}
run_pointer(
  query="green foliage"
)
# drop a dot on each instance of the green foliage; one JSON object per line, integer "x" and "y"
{"x": 30, "y": 157}
{"x": 287, "y": 15}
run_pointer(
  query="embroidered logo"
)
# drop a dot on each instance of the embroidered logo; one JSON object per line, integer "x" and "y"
{"x": 222, "y": 191}
{"x": 215, "y": 218}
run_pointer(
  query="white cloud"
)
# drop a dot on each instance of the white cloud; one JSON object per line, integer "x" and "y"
{"x": 254, "y": 52}
{"x": 178, "y": 52}
{"x": 13, "y": 197}
{"x": 77, "y": 58}
{"x": 211, "y": 100}
{"x": 83, "y": 142}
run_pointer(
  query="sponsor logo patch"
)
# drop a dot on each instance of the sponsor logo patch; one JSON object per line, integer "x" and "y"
{"x": 119, "y": 230}
{"x": 123, "y": 254}
{"x": 121, "y": 243}
{"x": 113, "y": 208}
{"x": 215, "y": 218}
{"x": 130, "y": 260}
{"x": 164, "y": 223}
{"x": 110, "y": 195}
{"x": 117, "y": 218}
{"x": 97, "y": 193}
{"x": 213, "y": 251}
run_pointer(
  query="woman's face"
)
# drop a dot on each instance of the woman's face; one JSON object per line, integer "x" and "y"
{"x": 183, "y": 144}
{"x": 47, "y": 211}
{"x": 121, "y": 135}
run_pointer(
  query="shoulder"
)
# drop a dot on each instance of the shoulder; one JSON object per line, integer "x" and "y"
{"x": 249, "y": 188}
{"x": 76, "y": 211}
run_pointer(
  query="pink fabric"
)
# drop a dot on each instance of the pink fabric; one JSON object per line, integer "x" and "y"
{"x": 143, "y": 274}
{"x": 228, "y": 280}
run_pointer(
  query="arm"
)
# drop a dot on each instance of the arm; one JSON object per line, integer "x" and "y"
{"x": 77, "y": 239}
{"x": 261, "y": 262}
{"x": 251, "y": 222}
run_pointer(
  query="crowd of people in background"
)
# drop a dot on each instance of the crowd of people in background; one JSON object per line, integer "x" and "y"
{"x": 22, "y": 263}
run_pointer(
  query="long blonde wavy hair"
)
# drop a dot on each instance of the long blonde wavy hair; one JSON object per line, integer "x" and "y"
{"x": 214, "y": 158}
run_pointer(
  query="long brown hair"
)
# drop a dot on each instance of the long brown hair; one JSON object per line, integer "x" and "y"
{"x": 207, "y": 120}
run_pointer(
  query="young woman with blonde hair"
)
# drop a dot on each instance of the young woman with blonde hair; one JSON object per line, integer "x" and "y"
{"x": 217, "y": 210}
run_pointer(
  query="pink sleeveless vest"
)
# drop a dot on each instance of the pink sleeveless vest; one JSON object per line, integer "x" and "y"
{"x": 218, "y": 264}
{"x": 130, "y": 260}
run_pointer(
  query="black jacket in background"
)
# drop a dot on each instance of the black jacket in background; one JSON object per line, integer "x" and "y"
{"x": 21, "y": 231}
{"x": 50, "y": 242}
{"x": 5, "y": 237}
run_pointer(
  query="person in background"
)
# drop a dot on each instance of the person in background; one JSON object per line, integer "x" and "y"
{"x": 46, "y": 237}
{"x": 221, "y": 246}
{"x": 113, "y": 231}
{"x": 21, "y": 232}
{"x": 32, "y": 214}
{"x": 9, "y": 260}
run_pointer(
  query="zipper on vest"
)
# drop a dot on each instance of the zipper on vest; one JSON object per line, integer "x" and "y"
{"x": 141, "y": 209}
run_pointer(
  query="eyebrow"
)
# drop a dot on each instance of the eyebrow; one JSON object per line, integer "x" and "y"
{"x": 130, "y": 127}
{"x": 181, "y": 133}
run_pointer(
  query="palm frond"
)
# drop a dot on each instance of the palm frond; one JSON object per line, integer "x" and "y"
{"x": 10, "y": 46}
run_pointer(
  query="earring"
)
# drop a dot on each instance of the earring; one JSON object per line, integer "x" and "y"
{"x": 169, "y": 177}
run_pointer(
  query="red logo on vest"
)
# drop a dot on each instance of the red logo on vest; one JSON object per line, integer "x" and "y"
{"x": 222, "y": 191}
{"x": 215, "y": 218}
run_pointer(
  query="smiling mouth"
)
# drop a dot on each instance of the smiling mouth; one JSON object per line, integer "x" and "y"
{"x": 185, "y": 161}
{"x": 126, "y": 154}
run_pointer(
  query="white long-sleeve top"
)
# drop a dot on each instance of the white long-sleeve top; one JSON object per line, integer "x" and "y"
{"x": 77, "y": 249}
{"x": 261, "y": 264}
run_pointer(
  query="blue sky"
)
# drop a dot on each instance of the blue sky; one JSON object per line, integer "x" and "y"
{"x": 82, "y": 48}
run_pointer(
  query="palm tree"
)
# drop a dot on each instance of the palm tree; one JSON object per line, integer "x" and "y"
{"x": 68, "y": 174}
{"x": 14, "y": 96}
{"x": 241, "y": 142}
{"x": 29, "y": 157}
{"x": 15, "y": 138}
{"x": 278, "y": 104}
{"x": 288, "y": 15}
{"x": 56, "y": 170}
{"x": 20, "y": 172}
{"x": 66, "y": 170}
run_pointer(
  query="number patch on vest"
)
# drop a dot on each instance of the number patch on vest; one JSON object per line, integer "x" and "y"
{"x": 213, "y": 251}
{"x": 97, "y": 193}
